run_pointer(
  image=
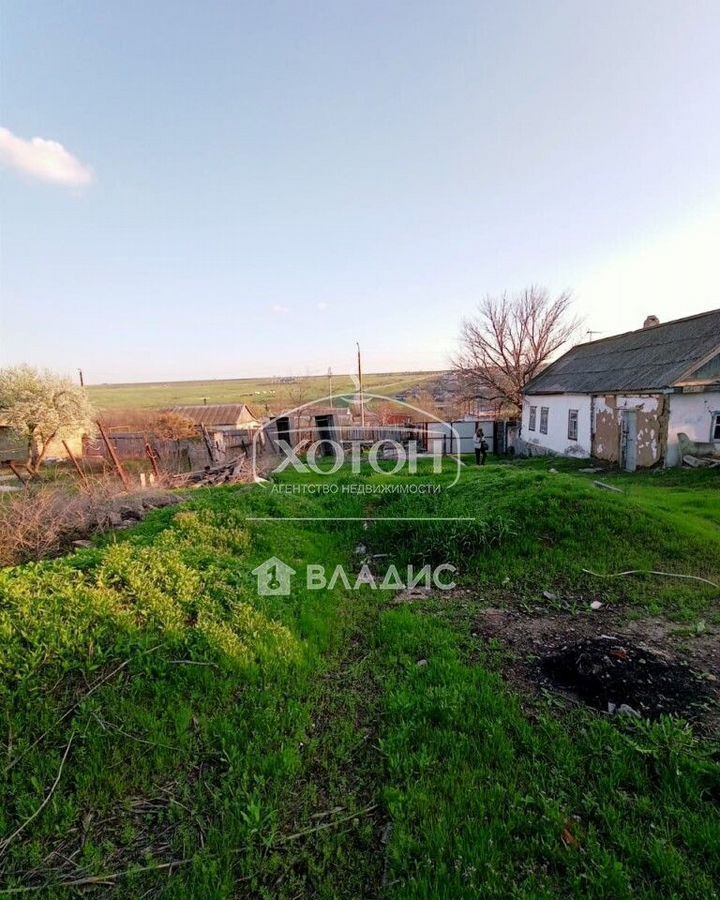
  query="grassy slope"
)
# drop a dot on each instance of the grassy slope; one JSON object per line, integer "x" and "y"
{"x": 237, "y": 390}
{"x": 488, "y": 803}
{"x": 541, "y": 529}
{"x": 332, "y": 709}
{"x": 183, "y": 753}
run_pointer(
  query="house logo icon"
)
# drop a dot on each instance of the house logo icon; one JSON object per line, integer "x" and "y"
{"x": 273, "y": 578}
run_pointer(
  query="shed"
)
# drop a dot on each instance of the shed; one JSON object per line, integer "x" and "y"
{"x": 219, "y": 417}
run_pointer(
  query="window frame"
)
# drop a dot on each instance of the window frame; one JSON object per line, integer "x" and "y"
{"x": 532, "y": 419}
{"x": 715, "y": 426}
{"x": 544, "y": 419}
{"x": 573, "y": 416}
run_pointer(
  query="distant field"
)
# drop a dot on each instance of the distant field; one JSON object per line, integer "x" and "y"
{"x": 240, "y": 390}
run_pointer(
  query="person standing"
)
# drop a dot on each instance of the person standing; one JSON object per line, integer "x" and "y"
{"x": 480, "y": 446}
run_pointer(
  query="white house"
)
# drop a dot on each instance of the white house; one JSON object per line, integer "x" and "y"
{"x": 625, "y": 399}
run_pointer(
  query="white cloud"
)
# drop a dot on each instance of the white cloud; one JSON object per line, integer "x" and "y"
{"x": 323, "y": 305}
{"x": 43, "y": 159}
{"x": 280, "y": 310}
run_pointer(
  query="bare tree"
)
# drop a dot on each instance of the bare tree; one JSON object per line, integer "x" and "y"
{"x": 172, "y": 426}
{"x": 509, "y": 341}
{"x": 296, "y": 393}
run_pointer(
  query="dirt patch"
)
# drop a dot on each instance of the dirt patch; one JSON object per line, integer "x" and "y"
{"x": 683, "y": 667}
{"x": 614, "y": 674}
{"x": 412, "y": 595}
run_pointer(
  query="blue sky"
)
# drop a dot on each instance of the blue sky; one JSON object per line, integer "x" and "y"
{"x": 249, "y": 188}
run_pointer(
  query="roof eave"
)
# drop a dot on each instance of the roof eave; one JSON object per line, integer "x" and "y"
{"x": 698, "y": 364}
{"x": 597, "y": 393}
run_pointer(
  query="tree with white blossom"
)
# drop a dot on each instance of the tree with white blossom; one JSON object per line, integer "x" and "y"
{"x": 40, "y": 407}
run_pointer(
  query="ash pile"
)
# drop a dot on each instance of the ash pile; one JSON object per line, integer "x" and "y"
{"x": 615, "y": 675}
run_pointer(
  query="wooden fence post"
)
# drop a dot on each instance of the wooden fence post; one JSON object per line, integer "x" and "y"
{"x": 16, "y": 472}
{"x": 208, "y": 444}
{"x": 150, "y": 453}
{"x": 74, "y": 461}
{"x": 114, "y": 457}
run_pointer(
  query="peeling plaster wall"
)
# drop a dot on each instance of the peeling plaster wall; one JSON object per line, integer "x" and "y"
{"x": 606, "y": 431}
{"x": 691, "y": 413}
{"x": 659, "y": 419}
{"x": 651, "y": 427}
{"x": 556, "y": 440}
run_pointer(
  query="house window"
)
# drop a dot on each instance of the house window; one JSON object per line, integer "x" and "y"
{"x": 716, "y": 427}
{"x": 532, "y": 418}
{"x": 572, "y": 424}
{"x": 544, "y": 413}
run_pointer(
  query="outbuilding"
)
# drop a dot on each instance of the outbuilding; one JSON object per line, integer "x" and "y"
{"x": 219, "y": 417}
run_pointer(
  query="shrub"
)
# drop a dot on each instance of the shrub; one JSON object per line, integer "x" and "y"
{"x": 39, "y": 522}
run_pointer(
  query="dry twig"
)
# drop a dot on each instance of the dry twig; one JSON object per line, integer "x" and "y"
{"x": 110, "y": 725}
{"x": 106, "y": 878}
{"x": 98, "y": 684}
{"x": 8, "y": 840}
{"x": 332, "y": 824}
{"x": 651, "y": 572}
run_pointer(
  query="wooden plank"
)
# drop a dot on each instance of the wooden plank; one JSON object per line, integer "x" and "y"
{"x": 113, "y": 455}
{"x": 74, "y": 461}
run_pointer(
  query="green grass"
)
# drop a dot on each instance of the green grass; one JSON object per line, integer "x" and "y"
{"x": 257, "y": 391}
{"x": 540, "y": 530}
{"x": 184, "y": 751}
{"x": 486, "y": 803}
{"x": 284, "y": 747}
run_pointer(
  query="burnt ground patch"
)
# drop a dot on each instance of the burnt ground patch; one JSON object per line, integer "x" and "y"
{"x": 614, "y": 674}
{"x": 665, "y": 668}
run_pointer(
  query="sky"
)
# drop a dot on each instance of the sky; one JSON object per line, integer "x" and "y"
{"x": 234, "y": 189}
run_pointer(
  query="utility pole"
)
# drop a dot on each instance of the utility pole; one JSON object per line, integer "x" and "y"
{"x": 362, "y": 399}
{"x": 331, "y": 390}
{"x": 82, "y": 381}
